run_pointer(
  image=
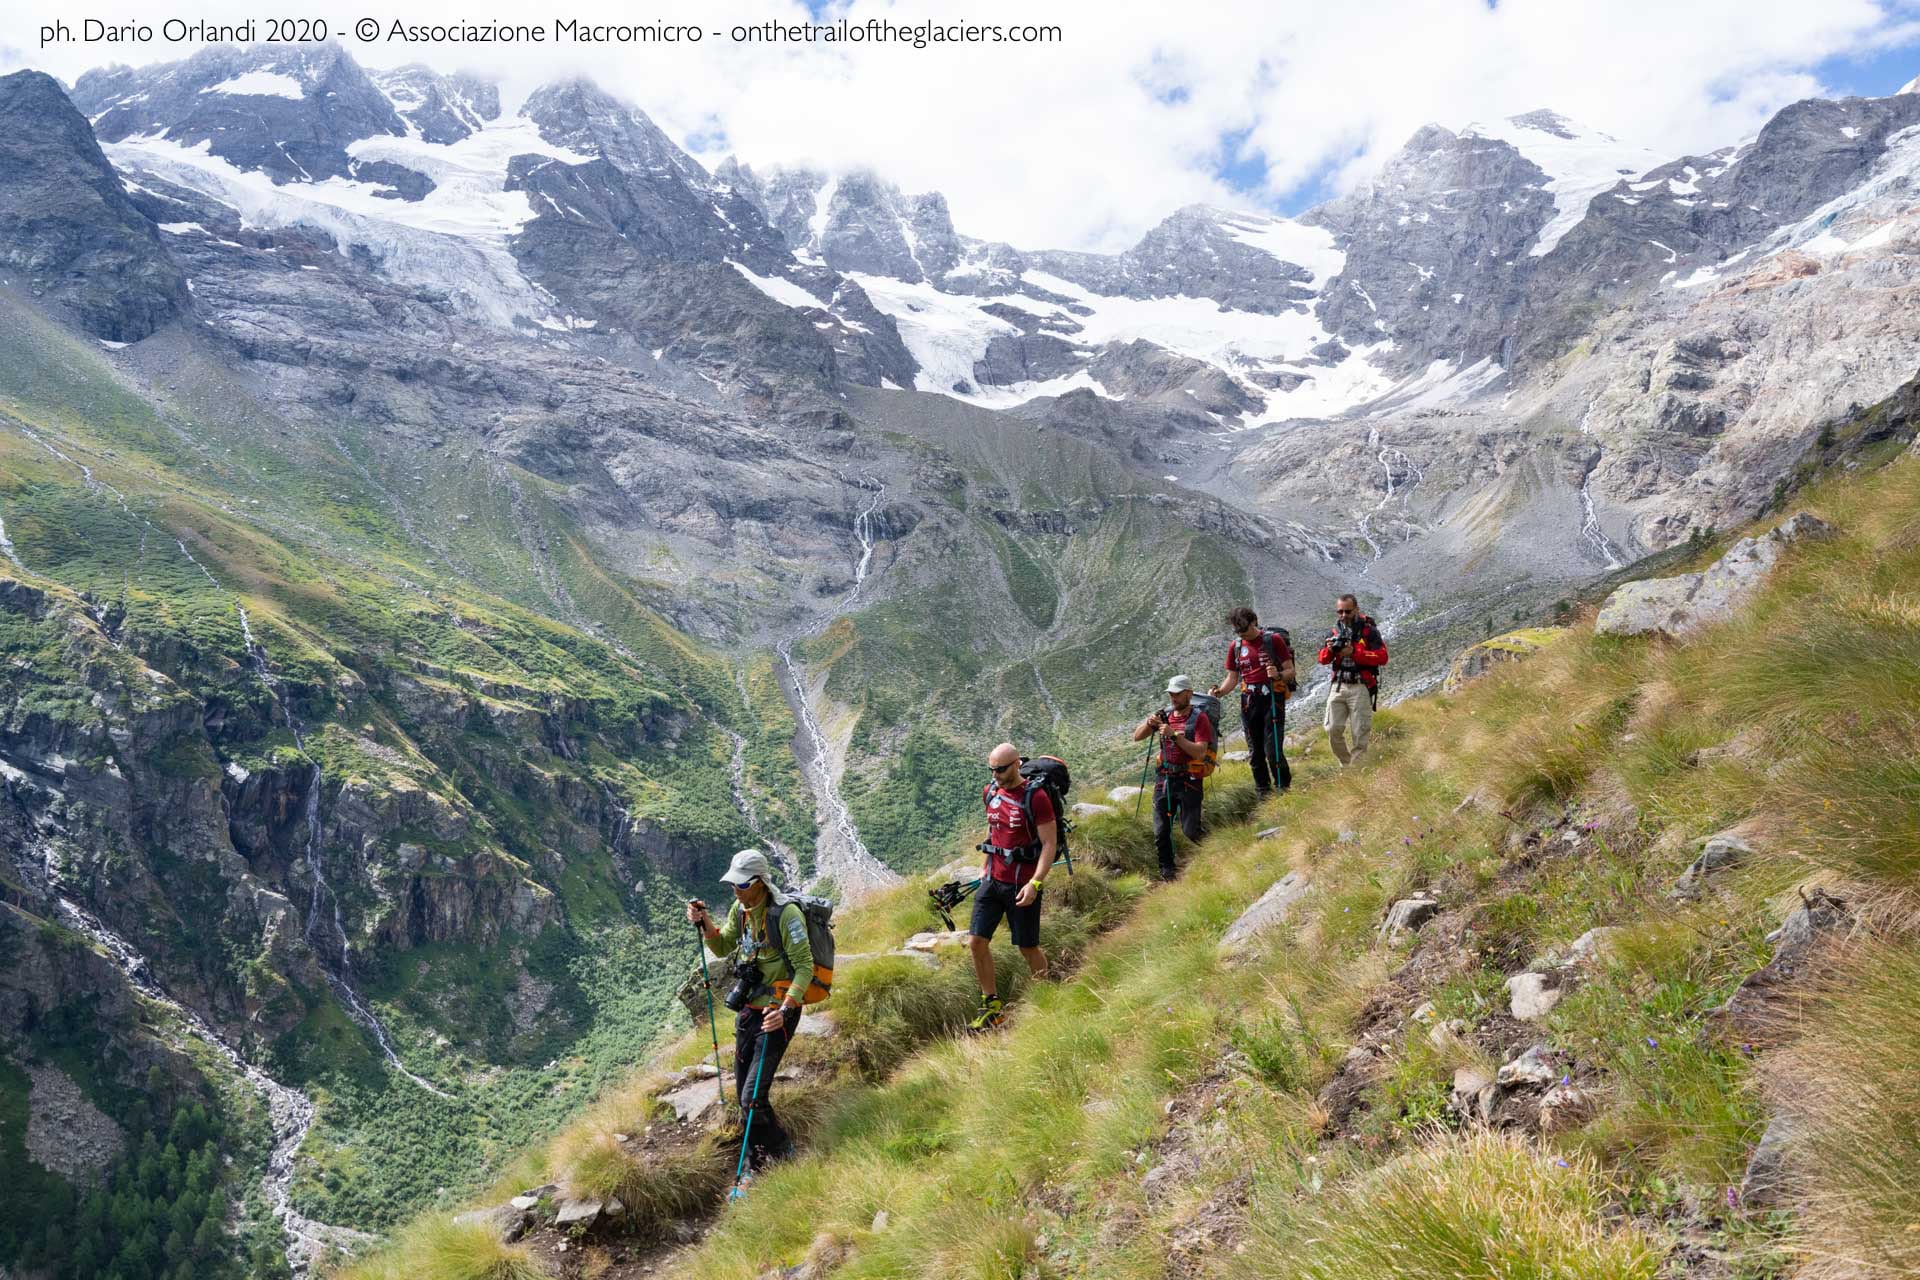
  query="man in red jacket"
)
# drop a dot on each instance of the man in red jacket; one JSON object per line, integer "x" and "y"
{"x": 1356, "y": 652}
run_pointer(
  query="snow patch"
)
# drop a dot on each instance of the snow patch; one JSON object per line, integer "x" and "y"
{"x": 181, "y": 228}
{"x": 260, "y": 84}
{"x": 817, "y": 224}
{"x": 1441, "y": 382}
{"x": 1312, "y": 248}
{"x": 781, "y": 290}
{"x": 1579, "y": 163}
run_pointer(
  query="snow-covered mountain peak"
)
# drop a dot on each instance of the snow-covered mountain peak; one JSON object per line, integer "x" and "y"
{"x": 1911, "y": 86}
{"x": 436, "y": 107}
{"x": 1580, "y": 163}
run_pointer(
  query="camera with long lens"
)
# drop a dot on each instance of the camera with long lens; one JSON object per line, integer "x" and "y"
{"x": 741, "y": 991}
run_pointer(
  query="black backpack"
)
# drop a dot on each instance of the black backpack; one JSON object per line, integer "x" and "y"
{"x": 1049, "y": 773}
{"x": 1273, "y": 655}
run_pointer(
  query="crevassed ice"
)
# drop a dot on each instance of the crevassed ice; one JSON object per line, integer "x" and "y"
{"x": 453, "y": 240}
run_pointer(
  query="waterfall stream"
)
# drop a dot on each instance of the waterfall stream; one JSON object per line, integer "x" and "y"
{"x": 839, "y": 853}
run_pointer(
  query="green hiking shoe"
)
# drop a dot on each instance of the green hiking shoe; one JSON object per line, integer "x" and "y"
{"x": 992, "y": 1014}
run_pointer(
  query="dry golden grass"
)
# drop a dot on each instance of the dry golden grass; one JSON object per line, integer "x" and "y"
{"x": 1851, "y": 1088}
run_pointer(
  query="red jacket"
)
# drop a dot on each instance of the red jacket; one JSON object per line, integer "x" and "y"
{"x": 1369, "y": 655}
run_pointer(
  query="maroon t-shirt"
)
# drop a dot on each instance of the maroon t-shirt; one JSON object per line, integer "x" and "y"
{"x": 1007, "y": 829}
{"x": 1250, "y": 660}
{"x": 1171, "y": 756}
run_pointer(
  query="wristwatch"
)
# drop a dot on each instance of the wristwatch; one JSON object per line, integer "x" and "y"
{"x": 1038, "y": 882}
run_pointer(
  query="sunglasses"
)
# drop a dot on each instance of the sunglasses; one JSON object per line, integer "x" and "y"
{"x": 1341, "y": 613}
{"x": 1002, "y": 768}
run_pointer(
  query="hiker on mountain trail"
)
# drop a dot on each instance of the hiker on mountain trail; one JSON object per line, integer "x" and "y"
{"x": 1356, "y": 652}
{"x": 1023, "y": 832}
{"x": 1186, "y": 759}
{"x": 1260, "y": 665}
{"x": 765, "y": 999}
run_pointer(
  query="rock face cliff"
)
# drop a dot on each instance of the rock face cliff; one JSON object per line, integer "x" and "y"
{"x": 67, "y": 229}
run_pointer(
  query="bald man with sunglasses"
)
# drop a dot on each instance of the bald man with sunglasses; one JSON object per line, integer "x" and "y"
{"x": 1023, "y": 834}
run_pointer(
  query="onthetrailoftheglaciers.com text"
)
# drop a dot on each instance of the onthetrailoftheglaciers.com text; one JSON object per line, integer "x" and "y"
{"x": 563, "y": 31}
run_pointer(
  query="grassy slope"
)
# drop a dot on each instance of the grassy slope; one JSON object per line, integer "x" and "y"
{"x": 1025, "y": 1154}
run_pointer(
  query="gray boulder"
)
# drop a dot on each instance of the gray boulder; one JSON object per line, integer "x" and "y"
{"x": 1536, "y": 1067}
{"x": 1532, "y": 999}
{"x": 1269, "y": 911}
{"x": 1752, "y": 1011}
{"x": 1768, "y": 1177}
{"x": 696, "y": 1101}
{"x": 1676, "y": 607}
{"x": 1592, "y": 946}
{"x": 1405, "y": 916}
{"x": 508, "y": 1222}
{"x": 1718, "y": 852}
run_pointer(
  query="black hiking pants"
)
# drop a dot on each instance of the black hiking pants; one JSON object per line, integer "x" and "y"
{"x": 758, "y": 1045}
{"x": 1179, "y": 803}
{"x": 1264, "y": 716}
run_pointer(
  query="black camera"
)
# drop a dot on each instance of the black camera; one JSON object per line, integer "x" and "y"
{"x": 740, "y": 992}
{"x": 1344, "y": 633}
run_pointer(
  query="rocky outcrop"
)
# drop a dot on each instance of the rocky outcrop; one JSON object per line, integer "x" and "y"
{"x": 66, "y": 226}
{"x": 1478, "y": 659}
{"x": 1677, "y": 607}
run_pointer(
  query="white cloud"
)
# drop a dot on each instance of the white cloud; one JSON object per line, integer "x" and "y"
{"x": 1088, "y": 142}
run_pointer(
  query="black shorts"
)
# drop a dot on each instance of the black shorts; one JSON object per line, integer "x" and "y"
{"x": 993, "y": 900}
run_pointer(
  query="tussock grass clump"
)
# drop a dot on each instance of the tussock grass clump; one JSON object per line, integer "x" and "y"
{"x": 1852, "y": 1087}
{"x": 655, "y": 1184}
{"x": 437, "y": 1248}
{"x": 890, "y": 1006}
{"x": 1481, "y": 1206}
{"x": 1116, "y": 842}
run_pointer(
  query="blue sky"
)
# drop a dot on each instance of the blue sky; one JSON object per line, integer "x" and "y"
{"x": 1872, "y": 75}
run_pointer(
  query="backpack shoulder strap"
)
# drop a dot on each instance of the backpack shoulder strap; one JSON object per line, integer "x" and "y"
{"x": 774, "y": 930}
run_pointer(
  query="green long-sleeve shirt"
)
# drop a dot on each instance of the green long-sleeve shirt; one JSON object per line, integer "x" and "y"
{"x": 757, "y": 948}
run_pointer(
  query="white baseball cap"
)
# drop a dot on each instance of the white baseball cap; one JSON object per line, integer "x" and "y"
{"x": 748, "y": 865}
{"x": 1179, "y": 684}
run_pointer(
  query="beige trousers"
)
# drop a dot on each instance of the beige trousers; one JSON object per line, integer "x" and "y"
{"x": 1349, "y": 709}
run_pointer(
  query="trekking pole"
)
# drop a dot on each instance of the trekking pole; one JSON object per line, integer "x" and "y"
{"x": 759, "y": 1066}
{"x": 719, "y": 1081}
{"x": 1273, "y": 729}
{"x": 1144, "y": 766}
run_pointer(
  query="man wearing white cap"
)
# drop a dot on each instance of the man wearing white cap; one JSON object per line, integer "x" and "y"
{"x": 1185, "y": 734}
{"x": 771, "y": 953}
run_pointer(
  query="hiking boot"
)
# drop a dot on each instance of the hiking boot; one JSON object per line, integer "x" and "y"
{"x": 1168, "y": 873}
{"x": 992, "y": 1014}
{"x": 760, "y": 1157}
